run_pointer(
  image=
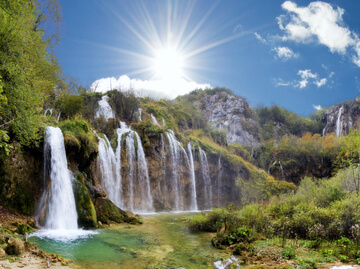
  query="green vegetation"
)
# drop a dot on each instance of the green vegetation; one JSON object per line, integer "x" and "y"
{"x": 276, "y": 122}
{"x": 322, "y": 216}
{"x": 28, "y": 72}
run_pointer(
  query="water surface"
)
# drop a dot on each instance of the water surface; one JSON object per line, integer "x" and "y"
{"x": 163, "y": 241}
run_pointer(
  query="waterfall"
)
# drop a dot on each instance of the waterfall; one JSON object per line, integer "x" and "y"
{"x": 50, "y": 110}
{"x": 282, "y": 171}
{"x": 163, "y": 121}
{"x": 131, "y": 158}
{"x": 175, "y": 159}
{"x": 193, "y": 201}
{"x": 58, "y": 116}
{"x": 143, "y": 176}
{"x": 137, "y": 195}
{"x": 338, "y": 129}
{"x": 140, "y": 110}
{"x": 207, "y": 180}
{"x": 154, "y": 120}
{"x": 104, "y": 109}
{"x": 219, "y": 181}
{"x": 61, "y": 212}
{"x": 57, "y": 203}
{"x": 107, "y": 164}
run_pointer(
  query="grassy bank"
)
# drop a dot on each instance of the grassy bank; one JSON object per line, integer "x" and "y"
{"x": 317, "y": 224}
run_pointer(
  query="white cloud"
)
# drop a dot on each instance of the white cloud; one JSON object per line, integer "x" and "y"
{"x": 168, "y": 89}
{"x": 318, "y": 107}
{"x": 285, "y": 53}
{"x": 320, "y": 82}
{"x": 258, "y": 37}
{"x": 318, "y": 20}
{"x": 307, "y": 76}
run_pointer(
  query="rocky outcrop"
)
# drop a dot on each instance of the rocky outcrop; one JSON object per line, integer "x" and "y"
{"x": 233, "y": 114}
{"x": 341, "y": 118}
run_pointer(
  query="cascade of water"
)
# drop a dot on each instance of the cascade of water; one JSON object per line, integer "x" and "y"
{"x": 131, "y": 158}
{"x": 140, "y": 110}
{"x": 58, "y": 116}
{"x": 175, "y": 158}
{"x": 282, "y": 171}
{"x": 107, "y": 164}
{"x": 193, "y": 201}
{"x": 50, "y": 110}
{"x": 104, "y": 109}
{"x": 163, "y": 121}
{"x": 137, "y": 183}
{"x": 338, "y": 129}
{"x": 61, "y": 212}
{"x": 143, "y": 177}
{"x": 206, "y": 177}
{"x": 154, "y": 120}
{"x": 164, "y": 188}
{"x": 219, "y": 181}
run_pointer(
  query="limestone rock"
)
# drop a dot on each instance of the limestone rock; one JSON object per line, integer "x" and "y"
{"x": 233, "y": 114}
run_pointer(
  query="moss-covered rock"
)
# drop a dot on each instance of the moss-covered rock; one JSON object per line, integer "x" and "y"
{"x": 107, "y": 212}
{"x": 84, "y": 205}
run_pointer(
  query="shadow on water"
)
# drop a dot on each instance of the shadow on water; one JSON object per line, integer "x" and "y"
{"x": 163, "y": 241}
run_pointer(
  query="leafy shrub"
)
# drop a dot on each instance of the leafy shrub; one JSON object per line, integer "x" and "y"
{"x": 288, "y": 253}
{"x": 207, "y": 221}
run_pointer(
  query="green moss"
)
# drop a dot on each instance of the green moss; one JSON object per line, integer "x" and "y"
{"x": 106, "y": 211}
{"x": 84, "y": 205}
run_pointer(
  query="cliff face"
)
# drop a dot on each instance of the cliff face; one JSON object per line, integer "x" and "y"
{"x": 223, "y": 175}
{"x": 341, "y": 118}
{"x": 232, "y": 114}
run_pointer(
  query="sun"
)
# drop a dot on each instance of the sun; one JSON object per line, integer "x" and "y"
{"x": 168, "y": 64}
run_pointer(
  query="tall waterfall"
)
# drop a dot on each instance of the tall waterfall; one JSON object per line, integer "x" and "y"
{"x": 207, "y": 180}
{"x": 61, "y": 211}
{"x": 193, "y": 201}
{"x": 219, "y": 181}
{"x": 132, "y": 191}
{"x": 338, "y": 129}
{"x": 175, "y": 160}
{"x": 104, "y": 109}
{"x": 108, "y": 165}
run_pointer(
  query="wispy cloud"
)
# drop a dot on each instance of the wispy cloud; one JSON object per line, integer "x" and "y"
{"x": 152, "y": 88}
{"x": 318, "y": 107}
{"x": 307, "y": 77}
{"x": 259, "y": 37}
{"x": 285, "y": 53}
{"x": 237, "y": 28}
{"x": 321, "y": 22}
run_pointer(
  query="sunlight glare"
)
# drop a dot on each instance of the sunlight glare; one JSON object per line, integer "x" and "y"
{"x": 168, "y": 64}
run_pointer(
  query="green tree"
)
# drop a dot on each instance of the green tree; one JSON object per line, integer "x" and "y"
{"x": 28, "y": 72}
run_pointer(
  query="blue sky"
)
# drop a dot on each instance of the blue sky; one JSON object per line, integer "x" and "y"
{"x": 296, "y": 54}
